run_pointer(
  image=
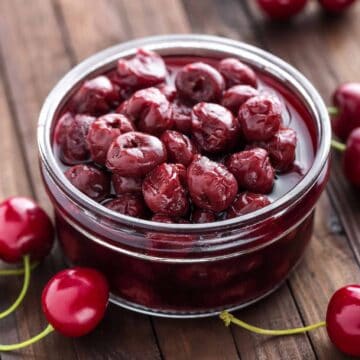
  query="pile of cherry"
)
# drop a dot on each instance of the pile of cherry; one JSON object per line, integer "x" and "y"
{"x": 285, "y": 9}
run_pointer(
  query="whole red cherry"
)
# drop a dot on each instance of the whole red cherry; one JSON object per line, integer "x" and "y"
{"x": 246, "y": 202}
{"x": 95, "y": 96}
{"x": 135, "y": 154}
{"x": 335, "y": 6}
{"x": 260, "y": 117}
{"x": 252, "y": 170}
{"x": 125, "y": 184}
{"x": 145, "y": 69}
{"x": 236, "y": 72}
{"x": 351, "y": 163}
{"x": 214, "y": 127}
{"x": 343, "y": 319}
{"x": 180, "y": 114}
{"x": 179, "y": 147}
{"x": 347, "y": 101}
{"x": 201, "y": 216}
{"x": 150, "y": 110}
{"x": 25, "y": 229}
{"x": 281, "y": 9}
{"x": 164, "y": 191}
{"x": 74, "y": 300}
{"x": 128, "y": 204}
{"x": 211, "y": 185}
{"x": 199, "y": 82}
{"x": 103, "y": 131}
{"x": 89, "y": 180}
{"x": 235, "y": 96}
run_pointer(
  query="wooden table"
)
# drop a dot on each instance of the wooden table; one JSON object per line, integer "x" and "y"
{"x": 41, "y": 40}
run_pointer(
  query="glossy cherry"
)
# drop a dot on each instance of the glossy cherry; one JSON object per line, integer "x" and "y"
{"x": 336, "y": 6}
{"x": 131, "y": 204}
{"x": 125, "y": 184}
{"x": 346, "y": 99}
{"x": 351, "y": 159}
{"x": 236, "y": 72}
{"x": 245, "y": 203}
{"x": 281, "y": 9}
{"x": 25, "y": 229}
{"x": 180, "y": 114}
{"x": 343, "y": 319}
{"x": 235, "y": 96}
{"x": 201, "y": 216}
{"x": 74, "y": 300}
{"x": 199, "y": 82}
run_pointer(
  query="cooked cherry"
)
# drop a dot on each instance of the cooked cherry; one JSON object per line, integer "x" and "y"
{"x": 199, "y": 82}
{"x": 180, "y": 114}
{"x": 71, "y": 135}
{"x": 246, "y": 202}
{"x": 347, "y": 100}
{"x": 335, "y": 6}
{"x": 343, "y": 319}
{"x": 103, "y": 131}
{"x": 145, "y": 69}
{"x": 201, "y": 216}
{"x": 211, "y": 185}
{"x": 351, "y": 163}
{"x": 128, "y": 204}
{"x": 235, "y": 96}
{"x": 252, "y": 170}
{"x": 135, "y": 154}
{"x": 74, "y": 300}
{"x": 280, "y": 9}
{"x": 168, "y": 91}
{"x": 150, "y": 110}
{"x": 25, "y": 229}
{"x": 95, "y": 96}
{"x": 164, "y": 191}
{"x": 260, "y": 117}
{"x": 122, "y": 109}
{"x": 214, "y": 128}
{"x": 89, "y": 180}
{"x": 125, "y": 184}
{"x": 180, "y": 149}
{"x": 237, "y": 73}
{"x": 281, "y": 148}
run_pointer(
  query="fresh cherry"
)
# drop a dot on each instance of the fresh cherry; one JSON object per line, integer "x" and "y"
{"x": 145, "y": 69}
{"x": 74, "y": 301}
{"x": 343, "y": 319}
{"x": 245, "y": 203}
{"x": 282, "y": 9}
{"x": 237, "y": 73}
{"x": 346, "y": 100}
{"x": 214, "y": 128}
{"x": 235, "y": 96}
{"x": 70, "y": 134}
{"x": 201, "y": 216}
{"x": 103, "y": 131}
{"x": 199, "y": 82}
{"x": 25, "y": 229}
{"x": 135, "y": 154}
{"x": 91, "y": 181}
{"x": 128, "y": 204}
{"x": 335, "y": 6}
{"x": 95, "y": 96}
{"x": 125, "y": 184}
{"x": 164, "y": 191}
{"x": 150, "y": 110}
{"x": 260, "y": 117}
{"x": 179, "y": 147}
{"x": 351, "y": 159}
{"x": 211, "y": 185}
{"x": 252, "y": 170}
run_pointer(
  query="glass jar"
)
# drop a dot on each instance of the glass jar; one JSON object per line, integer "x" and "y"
{"x": 231, "y": 263}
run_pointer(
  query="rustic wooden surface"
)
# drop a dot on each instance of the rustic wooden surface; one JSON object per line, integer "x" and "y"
{"x": 42, "y": 39}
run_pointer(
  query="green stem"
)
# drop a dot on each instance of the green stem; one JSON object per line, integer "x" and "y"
{"x": 338, "y": 145}
{"x": 333, "y": 111}
{"x": 228, "y": 319}
{"x": 21, "y": 271}
{"x": 23, "y": 291}
{"x": 49, "y": 329}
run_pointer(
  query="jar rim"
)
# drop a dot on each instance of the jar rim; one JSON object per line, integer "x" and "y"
{"x": 192, "y": 44}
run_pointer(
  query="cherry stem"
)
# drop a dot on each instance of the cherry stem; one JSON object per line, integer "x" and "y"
{"x": 49, "y": 329}
{"x": 338, "y": 145}
{"x": 333, "y": 110}
{"x": 21, "y": 271}
{"x": 25, "y": 287}
{"x": 228, "y": 319}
